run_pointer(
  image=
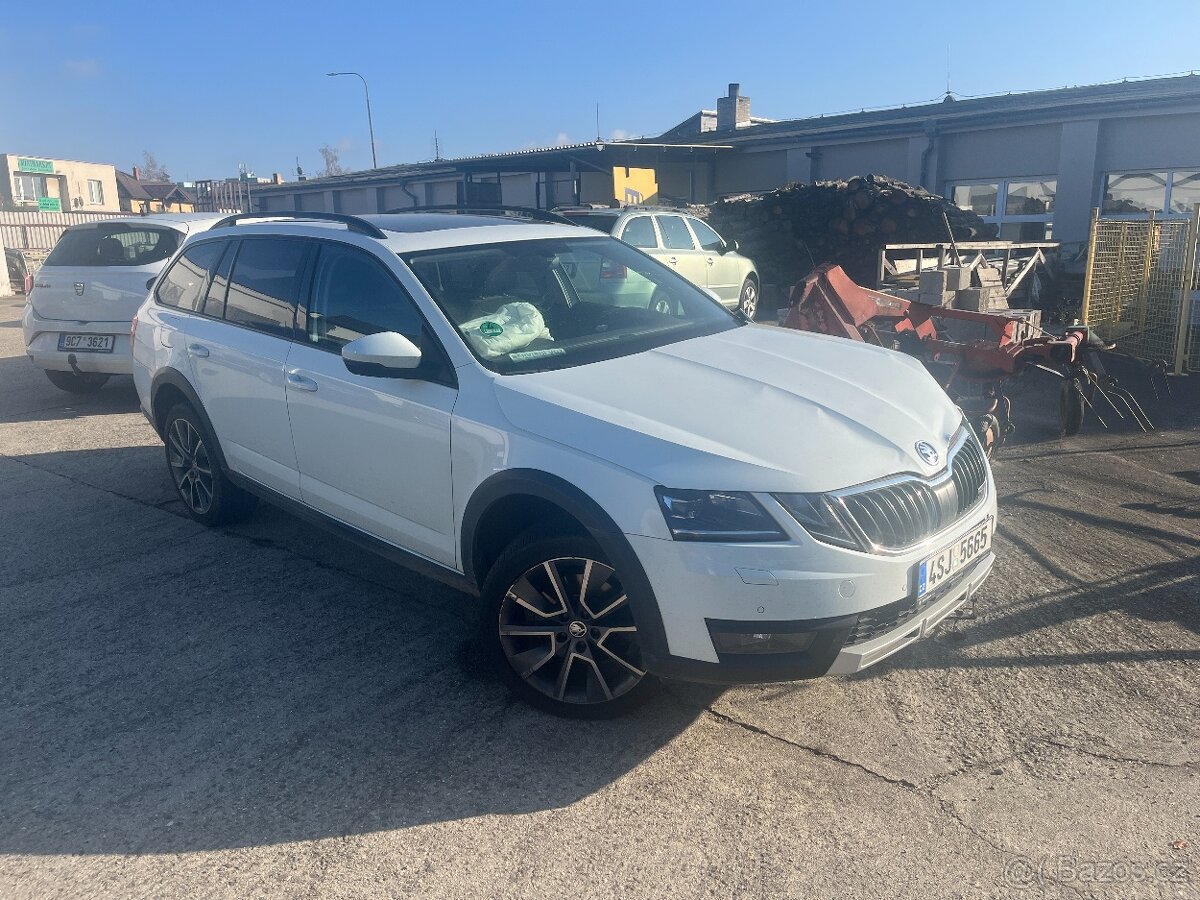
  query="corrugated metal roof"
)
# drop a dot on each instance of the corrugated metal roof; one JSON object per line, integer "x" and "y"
{"x": 1082, "y": 100}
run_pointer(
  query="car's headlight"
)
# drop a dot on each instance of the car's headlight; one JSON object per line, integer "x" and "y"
{"x": 716, "y": 516}
{"x": 818, "y": 515}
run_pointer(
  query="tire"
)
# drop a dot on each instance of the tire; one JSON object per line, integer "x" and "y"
{"x": 207, "y": 493}
{"x": 748, "y": 299}
{"x": 1070, "y": 408}
{"x": 85, "y": 383}
{"x": 581, "y": 662}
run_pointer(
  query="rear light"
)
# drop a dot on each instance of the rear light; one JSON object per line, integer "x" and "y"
{"x": 28, "y": 284}
{"x": 610, "y": 269}
{"x": 133, "y": 330}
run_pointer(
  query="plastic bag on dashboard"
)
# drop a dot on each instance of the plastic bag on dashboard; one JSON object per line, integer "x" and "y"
{"x": 512, "y": 327}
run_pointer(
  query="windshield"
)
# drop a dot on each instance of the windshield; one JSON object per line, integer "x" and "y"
{"x": 525, "y": 306}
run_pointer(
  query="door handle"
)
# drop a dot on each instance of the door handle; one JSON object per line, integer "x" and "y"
{"x": 672, "y": 260}
{"x": 301, "y": 382}
{"x": 710, "y": 260}
{"x": 198, "y": 350}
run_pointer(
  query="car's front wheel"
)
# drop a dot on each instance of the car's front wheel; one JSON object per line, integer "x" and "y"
{"x": 556, "y": 620}
{"x": 748, "y": 299}
{"x": 83, "y": 383}
{"x": 208, "y": 494}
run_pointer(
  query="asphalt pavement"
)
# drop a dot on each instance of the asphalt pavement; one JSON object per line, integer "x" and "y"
{"x": 268, "y": 711}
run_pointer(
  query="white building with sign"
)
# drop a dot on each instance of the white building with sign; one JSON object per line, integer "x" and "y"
{"x": 35, "y": 183}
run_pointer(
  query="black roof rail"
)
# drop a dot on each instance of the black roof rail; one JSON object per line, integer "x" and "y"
{"x": 352, "y": 223}
{"x": 539, "y": 215}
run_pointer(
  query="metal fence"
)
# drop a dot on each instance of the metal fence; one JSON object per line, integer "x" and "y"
{"x": 1138, "y": 288}
{"x": 41, "y": 230}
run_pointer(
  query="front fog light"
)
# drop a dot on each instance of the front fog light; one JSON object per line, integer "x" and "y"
{"x": 762, "y": 642}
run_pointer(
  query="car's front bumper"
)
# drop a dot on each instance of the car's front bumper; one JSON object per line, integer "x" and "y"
{"x": 829, "y": 653}
{"x": 853, "y": 608}
{"x": 41, "y": 345}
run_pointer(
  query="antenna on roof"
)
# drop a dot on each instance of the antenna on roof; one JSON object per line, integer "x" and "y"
{"x": 597, "y": 121}
{"x": 437, "y": 148}
{"x": 949, "y": 95}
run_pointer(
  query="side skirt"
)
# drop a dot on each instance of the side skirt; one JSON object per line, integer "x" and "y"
{"x": 413, "y": 561}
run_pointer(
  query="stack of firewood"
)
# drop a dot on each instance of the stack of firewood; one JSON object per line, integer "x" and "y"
{"x": 789, "y": 231}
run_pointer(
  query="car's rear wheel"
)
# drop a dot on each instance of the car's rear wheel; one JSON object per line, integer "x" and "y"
{"x": 208, "y": 494}
{"x": 82, "y": 383}
{"x": 748, "y": 299}
{"x": 557, "y": 622}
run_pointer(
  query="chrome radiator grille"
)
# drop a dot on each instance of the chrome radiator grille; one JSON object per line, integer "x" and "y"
{"x": 906, "y": 510}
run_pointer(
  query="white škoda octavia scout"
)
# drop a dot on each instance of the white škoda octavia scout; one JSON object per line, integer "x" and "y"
{"x": 631, "y": 491}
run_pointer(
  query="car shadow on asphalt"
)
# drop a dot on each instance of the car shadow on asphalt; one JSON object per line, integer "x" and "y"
{"x": 168, "y": 687}
{"x": 30, "y": 397}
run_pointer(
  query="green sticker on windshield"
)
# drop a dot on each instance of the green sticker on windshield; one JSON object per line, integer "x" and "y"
{"x": 491, "y": 329}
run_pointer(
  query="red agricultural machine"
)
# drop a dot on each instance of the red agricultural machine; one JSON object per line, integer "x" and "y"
{"x": 987, "y": 349}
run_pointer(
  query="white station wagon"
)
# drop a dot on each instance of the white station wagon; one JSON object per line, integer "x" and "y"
{"x": 631, "y": 492}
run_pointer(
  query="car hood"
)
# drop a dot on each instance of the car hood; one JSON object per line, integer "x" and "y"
{"x": 756, "y": 408}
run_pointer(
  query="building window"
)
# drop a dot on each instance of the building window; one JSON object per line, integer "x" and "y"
{"x": 27, "y": 188}
{"x": 1022, "y": 208}
{"x": 1140, "y": 193}
{"x": 95, "y": 192}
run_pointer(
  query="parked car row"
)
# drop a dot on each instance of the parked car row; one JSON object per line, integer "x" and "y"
{"x": 633, "y": 479}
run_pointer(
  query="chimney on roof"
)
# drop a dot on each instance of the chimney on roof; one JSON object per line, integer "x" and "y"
{"x": 733, "y": 111}
{"x": 137, "y": 174}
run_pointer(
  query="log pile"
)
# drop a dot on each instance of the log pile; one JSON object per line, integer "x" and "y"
{"x": 790, "y": 231}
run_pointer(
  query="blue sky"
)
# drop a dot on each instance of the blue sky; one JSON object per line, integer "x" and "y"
{"x": 208, "y": 86}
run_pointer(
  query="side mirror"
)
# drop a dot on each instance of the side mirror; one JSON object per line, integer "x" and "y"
{"x": 383, "y": 355}
{"x": 150, "y": 282}
{"x": 732, "y": 246}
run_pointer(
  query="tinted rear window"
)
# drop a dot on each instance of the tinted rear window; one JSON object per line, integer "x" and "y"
{"x": 591, "y": 220}
{"x": 113, "y": 244}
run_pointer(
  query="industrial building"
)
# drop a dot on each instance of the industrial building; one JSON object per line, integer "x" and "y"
{"x": 1034, "y": 163}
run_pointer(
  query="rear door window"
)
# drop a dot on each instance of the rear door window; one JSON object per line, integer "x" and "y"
{"x": 639, "y": 232}
{"x": 183, "y": 285}
{"x": 675, "y": 233}
{"x": 265, "y": 285}
{"x": 113, "y": 244}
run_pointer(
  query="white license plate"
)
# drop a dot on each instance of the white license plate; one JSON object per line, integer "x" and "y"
{"x": 935, "y": 571}
{"x": 87, "y": 343}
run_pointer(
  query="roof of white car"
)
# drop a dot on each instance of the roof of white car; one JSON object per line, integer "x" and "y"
{"x": 409, "y": 232}
{"x": 189, "y": 222}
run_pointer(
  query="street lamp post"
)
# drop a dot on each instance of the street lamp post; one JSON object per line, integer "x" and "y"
{"x": 370, "y": 124}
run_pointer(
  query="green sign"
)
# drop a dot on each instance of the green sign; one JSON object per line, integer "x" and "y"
{"x": 491, "y": 329}
{"x": 41, "y": 166}
{"x": 49, "y": 204}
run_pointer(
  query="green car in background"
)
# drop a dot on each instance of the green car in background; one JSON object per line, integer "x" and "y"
{"x": 676, "y": 239}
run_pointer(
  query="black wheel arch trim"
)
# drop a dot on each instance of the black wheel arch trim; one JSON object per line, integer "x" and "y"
{"x": 177, "y": 380}
{"x": 599, "y": 525}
